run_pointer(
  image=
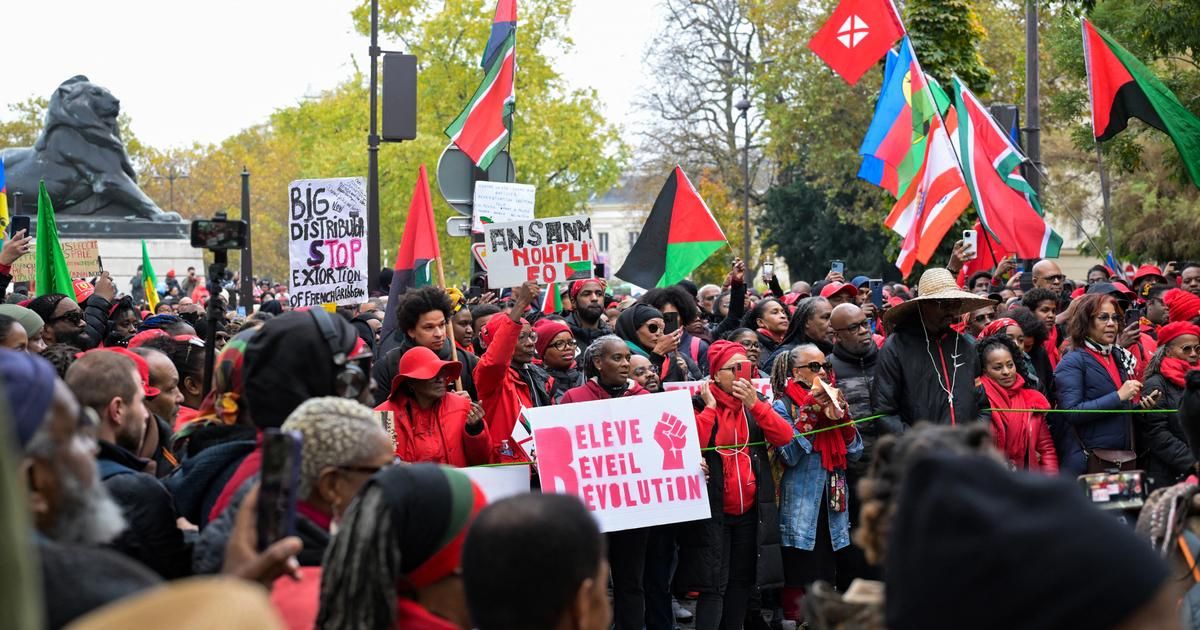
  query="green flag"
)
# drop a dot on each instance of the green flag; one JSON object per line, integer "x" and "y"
{"x": 149, "y": 280}
{"x": 51, "y": 274}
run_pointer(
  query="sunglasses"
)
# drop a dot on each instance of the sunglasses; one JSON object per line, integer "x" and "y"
{"x": 1188, "y": 349}
{"x": 817, "y": 367}
{"x": 1108, "y": 317}
{"x": 984, "y": 317}
{"x": 369, "y": 470}
{"x": 1055, "y": 278}
{"x": 74, "y": 317}
{"x": 653, "y": 328}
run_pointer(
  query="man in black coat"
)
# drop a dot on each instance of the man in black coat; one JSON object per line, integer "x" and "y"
{"x": 926, "y": 370}
{"x": 114, "y": 383}
{"x": 584, "y": 321}
{"x": 422, "y": 319}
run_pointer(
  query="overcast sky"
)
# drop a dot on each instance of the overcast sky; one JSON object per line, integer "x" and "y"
{"x": 201, "y": 71}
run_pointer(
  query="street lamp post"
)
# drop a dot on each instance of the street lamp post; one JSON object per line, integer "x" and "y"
{"x": 171, "y": 176}
{"x": 743, "y": 106}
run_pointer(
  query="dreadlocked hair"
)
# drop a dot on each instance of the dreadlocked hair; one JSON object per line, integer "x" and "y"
{"x": 879, "y": 490}
{"x": 589, "y": 367}
{"x": 361, "y": 567}
{"x": 781, "y": 369}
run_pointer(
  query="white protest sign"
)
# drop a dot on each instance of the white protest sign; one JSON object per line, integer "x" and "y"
{"x": 557, "y": 249}
{"x": 763, "y": 385}
{"x": 500, "y": 202}
{"x": 327, "y": 241}
{"x": 499, "y": 482}
{"x": 633, "y": 461}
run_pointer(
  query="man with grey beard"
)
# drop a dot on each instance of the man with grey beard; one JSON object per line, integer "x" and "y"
{"x": 71, "y": 510}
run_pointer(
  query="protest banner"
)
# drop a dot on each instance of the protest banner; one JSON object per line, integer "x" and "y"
{"x": 499, "y": 482}
{"x": 633, "y": 461}
{"x": 501, "y": 202}
{"x": 327, "y": 241}
{"x": 83, "y": 261}
{"x": 557, "y": 249}
{"x": 763, "y": 385}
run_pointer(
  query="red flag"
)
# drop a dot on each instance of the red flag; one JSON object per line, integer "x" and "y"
{"x": 856, "y": 36}
{"x": 418, "y": 250}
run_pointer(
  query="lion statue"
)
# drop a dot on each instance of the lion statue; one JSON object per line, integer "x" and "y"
{"x": 81, "y": 157}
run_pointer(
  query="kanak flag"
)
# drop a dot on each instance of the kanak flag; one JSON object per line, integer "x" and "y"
{"x": 856, "y": 36}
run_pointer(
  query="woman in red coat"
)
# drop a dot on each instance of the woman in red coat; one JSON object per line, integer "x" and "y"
{"x": 428, "y": 425}
{"x": 1021, "y": 435}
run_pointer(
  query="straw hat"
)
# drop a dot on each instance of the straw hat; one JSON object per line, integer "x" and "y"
{"x": 937, "y": 283}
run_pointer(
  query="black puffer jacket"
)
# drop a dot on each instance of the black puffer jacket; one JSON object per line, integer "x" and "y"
{"x": 95, "y": 317}
{"x": 564, "y": 380}
{"x": 907, "y": 380}
{"x": 700, "y": 541}
{"x": 855, "y": 377}
{"x": 152, "y": 536}
{"x": 386, "y": 368}
{"x": 585, "y": 336}
{"x": 1162, "y": 445}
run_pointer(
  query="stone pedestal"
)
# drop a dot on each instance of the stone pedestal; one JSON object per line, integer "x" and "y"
{"x": 120, "y": 242}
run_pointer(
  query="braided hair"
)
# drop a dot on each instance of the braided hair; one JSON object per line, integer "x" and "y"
{"x": 781, "y": 369}
{"x": 894, "y": 455}
{"x": 361, "y": 565}
{"x": 589, "y": 367}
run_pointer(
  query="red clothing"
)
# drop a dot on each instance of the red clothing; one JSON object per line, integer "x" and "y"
{"x": 185, "y": 415}
{"x": 1051, "y": 346}
{"x": 741, "y": 487}
{"x": 412, "y": 616}
{"x": 1142, "y": 349}
{"x": 591, "y": 390}
{"x": 438, "y": 434}
{"x": 501, "y": 390}
{"x": 1022, "y": 436}
{"x": 298, "y": 602}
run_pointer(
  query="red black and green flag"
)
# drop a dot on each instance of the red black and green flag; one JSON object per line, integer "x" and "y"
{"x": 1120, "y": 87}
{"x": 484, "y": 127}
{"x": 679, "y": 235}
{"x": 552, "y": 302}
{"x": 418, "y": 250}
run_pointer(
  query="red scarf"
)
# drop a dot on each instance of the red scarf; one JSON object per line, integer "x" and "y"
{"x": 770, "y": 335}
{"x": 1015, "y": 423}
{"x": 807, "y": 416}
{"x": 1175, "y": 370}
{"x": 1051, "y": 345}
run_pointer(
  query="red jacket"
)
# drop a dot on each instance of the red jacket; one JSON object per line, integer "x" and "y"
{"x": 591, "y": 390}
{"x": 438, "y": 434}
{"x": 501, "y": 389}
{"x": 741, "y": 486}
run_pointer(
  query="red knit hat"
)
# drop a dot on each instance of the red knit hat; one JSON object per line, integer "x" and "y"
{"x": 720, "y": 352}
{"x": 1181, "y": 305}
{"x": 547, "y": 329}
{"x": 1174, "y": 330}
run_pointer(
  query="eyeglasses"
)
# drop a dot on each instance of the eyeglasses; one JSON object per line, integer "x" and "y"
{"x": 564, "y": 345}
{"x": 1188, "y": 349}
{"x": 653, "y": 328}
{"x": 1055, "y": 278}
{"x": 817, "y": 367}
{"x": 529, "y": 336}
{"x": 734, "y": 367}
{"x": 854, "y": 326}
{"x": 640, "y": 371}
{"x": 74, "y": 317}
{"x": 751, "y": 345}
{"x": 983, "y": 317}
{"x": 1108, "y": 317}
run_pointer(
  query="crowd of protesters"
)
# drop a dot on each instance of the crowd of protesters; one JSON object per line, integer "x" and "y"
{"x": 911, "y": 431}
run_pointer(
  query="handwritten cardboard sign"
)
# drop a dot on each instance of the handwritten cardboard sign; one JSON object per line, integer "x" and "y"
{"x": 634, "y": 461}
{"x": 83, "y": 261}
{"x": 548, "y": 250}
{"x": 327, "y": 241}
{"x": 500, "y": 202}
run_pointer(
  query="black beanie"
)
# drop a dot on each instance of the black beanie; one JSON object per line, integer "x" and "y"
{"x": 288, "y": 362}
{"x": 973, "y": 545}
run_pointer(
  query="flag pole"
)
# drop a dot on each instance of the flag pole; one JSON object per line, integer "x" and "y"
{"x": 449, "y": 325}
{"x": 1104, "y": 193}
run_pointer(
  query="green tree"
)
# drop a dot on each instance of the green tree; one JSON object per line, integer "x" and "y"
{"x": 23, "y": 130}
{"x": 946, "y": 35}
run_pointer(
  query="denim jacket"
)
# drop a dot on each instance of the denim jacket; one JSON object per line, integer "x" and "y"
{"x": 802, "y": 488}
